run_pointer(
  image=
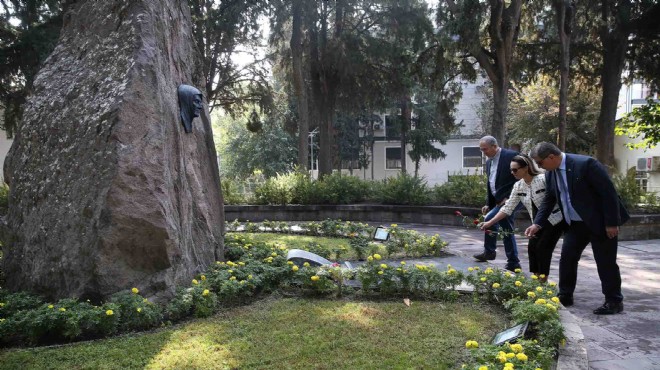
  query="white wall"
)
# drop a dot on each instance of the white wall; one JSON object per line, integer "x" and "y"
{"x": 625, "y": 158}
{"x": 5, "y": 144}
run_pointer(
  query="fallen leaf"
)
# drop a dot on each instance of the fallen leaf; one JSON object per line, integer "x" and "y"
{"x": 406, "y": 301}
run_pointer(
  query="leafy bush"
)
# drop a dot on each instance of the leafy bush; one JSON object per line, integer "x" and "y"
{"x": 338, "y": 189}
{"x": 231, "y": 193}
{"x": 463, "y": 190}
{"x": 628, "y": 188}
{"x": 403, "y": 189}
{"x": 4, "y": 198}
{"x": 275, "y": 190}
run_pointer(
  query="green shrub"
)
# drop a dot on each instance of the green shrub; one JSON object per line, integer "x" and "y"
{"x": 136, "y": 312}
{"x": 275, "y": 190}
{"x": 462, "y": 190}
{"x": 4, "y": 198}
{"x": 231, "y": 193}
{"x": 628, "y": 188}
{"x": 341, "y": 189}
{"x": 403, "y": 189}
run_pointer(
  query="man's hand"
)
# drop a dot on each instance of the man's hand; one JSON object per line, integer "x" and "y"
{"x": 485, "y": 225}
{"x": 532, "y": 230}
{"x": 484, "y": 210}
{"x": 612, "y": 231}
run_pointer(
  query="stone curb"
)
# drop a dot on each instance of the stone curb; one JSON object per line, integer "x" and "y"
{"x": 572, "y": 356}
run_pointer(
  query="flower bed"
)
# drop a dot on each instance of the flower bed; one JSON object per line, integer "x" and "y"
{"x": 255, "y": 268}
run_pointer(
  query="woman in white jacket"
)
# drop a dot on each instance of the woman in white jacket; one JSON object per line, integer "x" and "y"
{"x": 530, "y": 190}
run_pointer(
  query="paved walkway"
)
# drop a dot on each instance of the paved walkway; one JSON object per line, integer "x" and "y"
{"x": 630, "y": 340}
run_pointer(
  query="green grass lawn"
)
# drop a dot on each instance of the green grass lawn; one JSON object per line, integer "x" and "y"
{"x": 302, "y": 241}
{"x": 292, "y": 334}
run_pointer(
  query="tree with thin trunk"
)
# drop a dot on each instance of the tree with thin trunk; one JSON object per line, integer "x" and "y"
{"x": 299, "y": 85}
{"x": 464, "y": 19}
{"x": 564, "y": 18}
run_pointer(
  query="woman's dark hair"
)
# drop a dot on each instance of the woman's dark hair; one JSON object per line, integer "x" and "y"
{"x": 523, "y": 160}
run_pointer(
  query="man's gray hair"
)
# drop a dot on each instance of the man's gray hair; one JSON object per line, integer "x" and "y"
{"x": 543, "y": 149}
{"x": 488, "y": 140}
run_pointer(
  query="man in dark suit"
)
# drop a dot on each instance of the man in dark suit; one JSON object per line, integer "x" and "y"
{"x": 500, "y": 183}
{"x": 593, "y": 211}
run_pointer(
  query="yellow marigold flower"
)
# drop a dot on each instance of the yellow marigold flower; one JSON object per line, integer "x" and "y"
{"x": 507, "y": 274}
{"x": 531, "y": 294}
{"x": 542, "y": 276}
{"x": 394, "y": 225}
{"x": 289, "y": 262}
{"x": 232, "y": 278}
{"x": 377, "y": 256}
{"x": 553, "y": 284}
{"x": 274, "y": 254}
{"x": 471, "y": 344}
{"x": 294, "y": 268}
{"x": 549, "y": 292}
{"x": 398, "y": 269}
{"x": 203, "y": 277}
{"x": 562, "y": 342}
{"x": 370, "y": 258}
{"x": 508, "y": 366}
{"x": 448, "y": 267}
{"x": 306, "y": 264}
{"x": 109, "y": 312}
{"x": 510, "y": 355}
{"x": 241, "y": 263}
{"x": 521, "y": 357}
{"x": 551, "y": 307}
{"x": 483, "y": 279}
{"x": 135, "y": 291}
{"x": 451, "y": 271}
{"x": 242, "y": 282}
{"x": 380, "y": 272}
{"x": 230, "y": 271}
{"x": 555, "y": 299}
{"x": 50, "y": 306}
{"x": 195, "y": 282}
{"x": 476, "y": 268}
{"x": 534, "y": 277}
{"x": 517, "y": 270}
{"x": 383, "y": 266}
{"x": 218, "y": 263}
{"x": 501, "y": 357}
{"x": 315, "y": 278}
{"x": 517, "y": 348}
{"x": 205, "y": 292}
{"x": 496, "y": 285}
{"x": 139, "y": 309}
{"x": 145, "y": 300}
{"x": 539, "y": 289}
{"x": 403, "y": 262}
{"x": 470, "y": 269}
{"x": 62, "y": 309}
{"x": 518, "y": 283}
{"x": 540, "y": 301}
{"x": 488, "y": 271}
{"x": 483, "y": 367}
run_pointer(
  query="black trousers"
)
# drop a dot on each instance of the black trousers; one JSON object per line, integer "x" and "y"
{"x": 541, "y": 247}
{"x": 576, "y": 238}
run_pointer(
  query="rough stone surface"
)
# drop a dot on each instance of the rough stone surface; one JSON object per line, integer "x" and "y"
{"x": 107, "y": 191}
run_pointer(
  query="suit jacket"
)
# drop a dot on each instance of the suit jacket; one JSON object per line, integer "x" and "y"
{"x": 591, "y": 192}
{"x": 504, "y": 180}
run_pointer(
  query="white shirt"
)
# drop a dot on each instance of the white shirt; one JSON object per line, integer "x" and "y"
{"x": 493, "y": 170}
{"x": 528, "y": 193}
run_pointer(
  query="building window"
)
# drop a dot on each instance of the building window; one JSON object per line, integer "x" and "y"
{"x": 472, "y": 157}
{"x": 392, "y": 127}
{"x": 392, "y": 158}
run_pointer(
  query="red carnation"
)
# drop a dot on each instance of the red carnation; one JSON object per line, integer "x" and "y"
{"x": 458, "y": 213}
{"x": 489, "y": 232}
{"x": 476, "y": 221}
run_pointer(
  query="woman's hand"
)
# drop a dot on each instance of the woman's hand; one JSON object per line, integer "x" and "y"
{"x": 485, "y": 225}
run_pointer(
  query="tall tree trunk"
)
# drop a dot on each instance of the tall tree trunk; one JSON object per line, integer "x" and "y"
{"x": 299, "y": 84}
{"x": 614, "y": 47}
{"x": 563, "y": 12}
{"x": 406, "y": 114}
{"x": 500, "y": 106}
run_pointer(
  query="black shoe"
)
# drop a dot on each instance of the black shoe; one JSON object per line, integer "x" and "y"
{"x": 565, "y": 300}
{"x": 513, "y": 268}
{"x": 485, "y": 256}
{"x": 609, "y": 308}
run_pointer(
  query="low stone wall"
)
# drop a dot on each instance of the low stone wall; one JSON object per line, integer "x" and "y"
{"x": 640, "y": 227}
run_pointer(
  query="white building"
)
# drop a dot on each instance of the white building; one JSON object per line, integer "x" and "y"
{"x": 5, "y": 144}
{"x": 647, "y": 161}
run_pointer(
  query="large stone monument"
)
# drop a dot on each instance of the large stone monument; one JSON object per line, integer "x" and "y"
{"x": 108, "y": 191}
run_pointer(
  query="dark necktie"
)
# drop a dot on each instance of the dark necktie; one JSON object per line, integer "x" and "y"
{"x": 563, "y": 193}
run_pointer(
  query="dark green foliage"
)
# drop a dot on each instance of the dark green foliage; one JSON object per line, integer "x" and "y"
{"x": 403, "y": 189}
{"x": 338, "y": 189}
{"x": 643, "y": 121}
{"x": 464, "y": 190}
{"x": 4, "y": 199}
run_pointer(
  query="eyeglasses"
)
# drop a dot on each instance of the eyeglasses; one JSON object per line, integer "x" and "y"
{"x": 540, "y": 162}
